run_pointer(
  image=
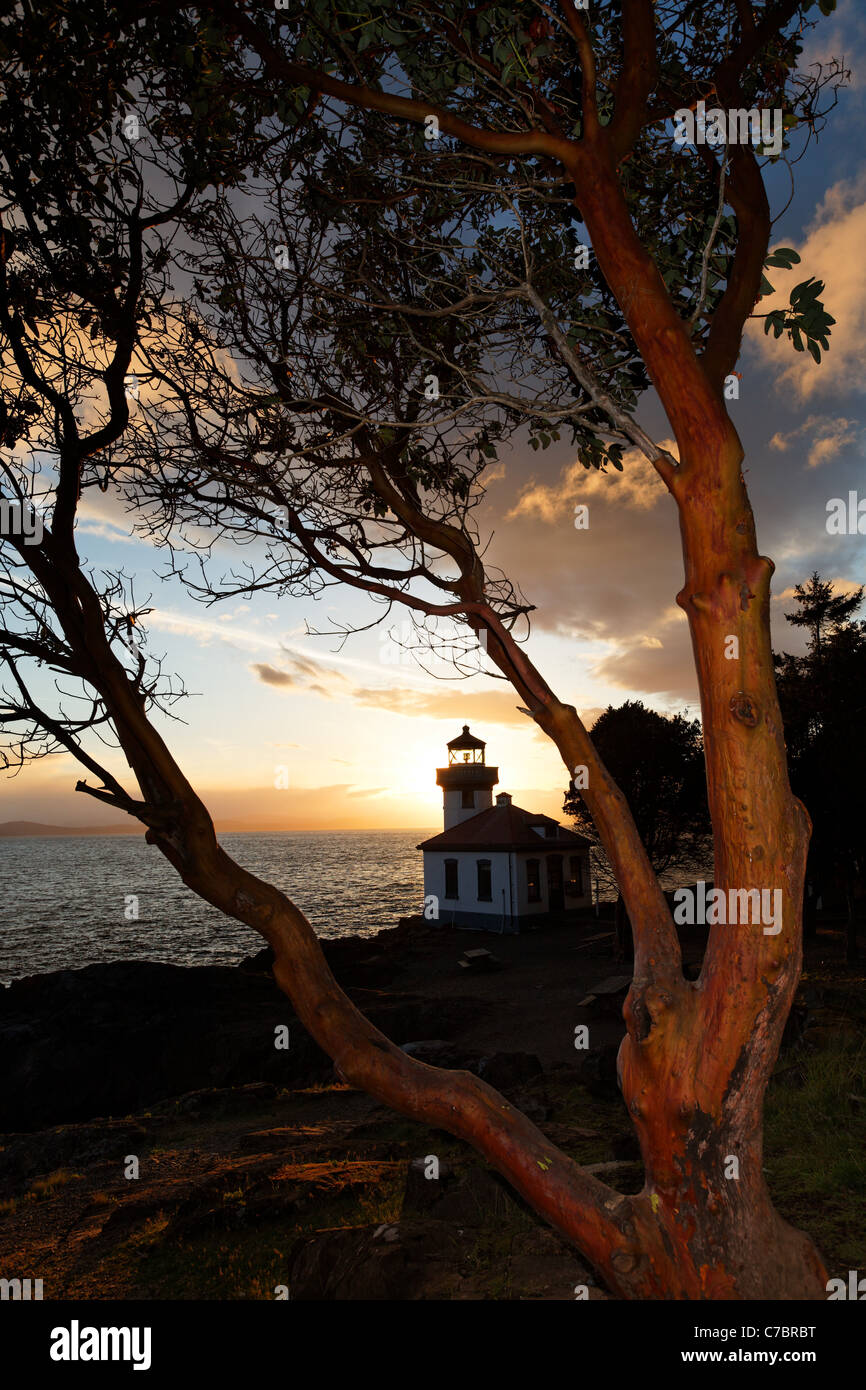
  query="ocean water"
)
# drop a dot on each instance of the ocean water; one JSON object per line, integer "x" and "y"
{"x": 65, "y": 900}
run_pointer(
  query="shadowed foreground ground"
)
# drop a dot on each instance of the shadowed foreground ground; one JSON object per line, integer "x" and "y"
{"x": 314, "y": 1186}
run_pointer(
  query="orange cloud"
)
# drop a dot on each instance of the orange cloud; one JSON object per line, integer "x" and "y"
{"x": 270, "y": 675}
{"x": 305, "y": 674}
{"x": 638, "y": 486}
{"x": 476, "y": 707}
{"x": 661, "y": 663}
{"x": 832, "y": 252}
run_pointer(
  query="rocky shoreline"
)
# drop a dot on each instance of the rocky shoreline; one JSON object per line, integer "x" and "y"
{"x": 112, "y": 1038}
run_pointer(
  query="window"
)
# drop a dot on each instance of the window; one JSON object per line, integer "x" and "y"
{"x": 485, "y": 881}
{"x": 574, "y": 886}
{"x": 451, "y": 888}
{"x": 533, "y": 880}
{"x": 467, "y": 799}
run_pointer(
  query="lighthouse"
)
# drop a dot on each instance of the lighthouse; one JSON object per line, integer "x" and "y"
{"x": 498, "y": 868}
{"x": 467, "y": 782}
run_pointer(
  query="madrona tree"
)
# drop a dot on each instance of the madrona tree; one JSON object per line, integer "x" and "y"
{"x": 543, "y": 106}
{"x": 289, "y": 427}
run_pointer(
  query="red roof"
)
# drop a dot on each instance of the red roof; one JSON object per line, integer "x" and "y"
{"x": 503, "y": 828}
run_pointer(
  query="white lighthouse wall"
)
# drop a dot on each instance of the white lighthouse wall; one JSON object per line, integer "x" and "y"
{"x": 467, "y": 910}
{"x": 510, "y": 906}
{"x": 454, "y": 810}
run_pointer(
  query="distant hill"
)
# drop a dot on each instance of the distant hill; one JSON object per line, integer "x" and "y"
{"x": 34, "y": 827}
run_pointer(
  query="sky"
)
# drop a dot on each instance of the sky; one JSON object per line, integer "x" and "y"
{"x": 287, "y": 730}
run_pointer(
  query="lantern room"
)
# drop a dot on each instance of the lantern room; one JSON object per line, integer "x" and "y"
{"x": 466, "y": 748}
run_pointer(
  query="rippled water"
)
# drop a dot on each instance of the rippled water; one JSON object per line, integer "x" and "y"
{"x": 63, "y": 899}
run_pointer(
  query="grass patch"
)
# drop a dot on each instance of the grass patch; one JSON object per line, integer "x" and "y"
{"x": 815, "y": 1152}
{"x": 491, "y": 1253}
{"x": 245, "y": 1265}
{"x": 250, "y": 1262}
{"x": 42, "y": 1188}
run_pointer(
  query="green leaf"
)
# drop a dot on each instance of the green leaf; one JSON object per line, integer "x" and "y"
{"x": 784, "y": 256}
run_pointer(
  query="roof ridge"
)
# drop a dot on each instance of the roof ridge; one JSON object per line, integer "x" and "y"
{"x": 496, "y": 828}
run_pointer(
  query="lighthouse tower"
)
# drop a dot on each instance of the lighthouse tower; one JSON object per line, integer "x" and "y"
{"x": 467, "y": 782}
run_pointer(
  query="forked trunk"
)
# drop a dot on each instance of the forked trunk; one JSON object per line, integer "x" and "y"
{"x": 698, "y": 1056}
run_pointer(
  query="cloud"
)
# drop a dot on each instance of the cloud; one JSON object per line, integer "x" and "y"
{"x": 475, "y": 707}
{"x": 306, "y": 666}
{"x": 105, "y": 530}
{"x": 207, "y": 630}
{"x": 589, "y": 715}
{"x": 830, "y": 435}
{"x": 660, "y": 664}
{"x": 224, "y": 630}
{"x": 841, "y": 35}
{"x": 832, "y": 251}
{"x": 295, "y": 808}
{"x": 270, "y": 675}
{"x": 611, "y": 581}
{"x": 303, "y": 665}
{"x": 306, "y": 674}
{"x": 846, "y": 587}
{"x": 638, "y": 486}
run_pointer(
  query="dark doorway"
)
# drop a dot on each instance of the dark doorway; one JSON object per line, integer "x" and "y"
{"x": 555, "y": 896}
